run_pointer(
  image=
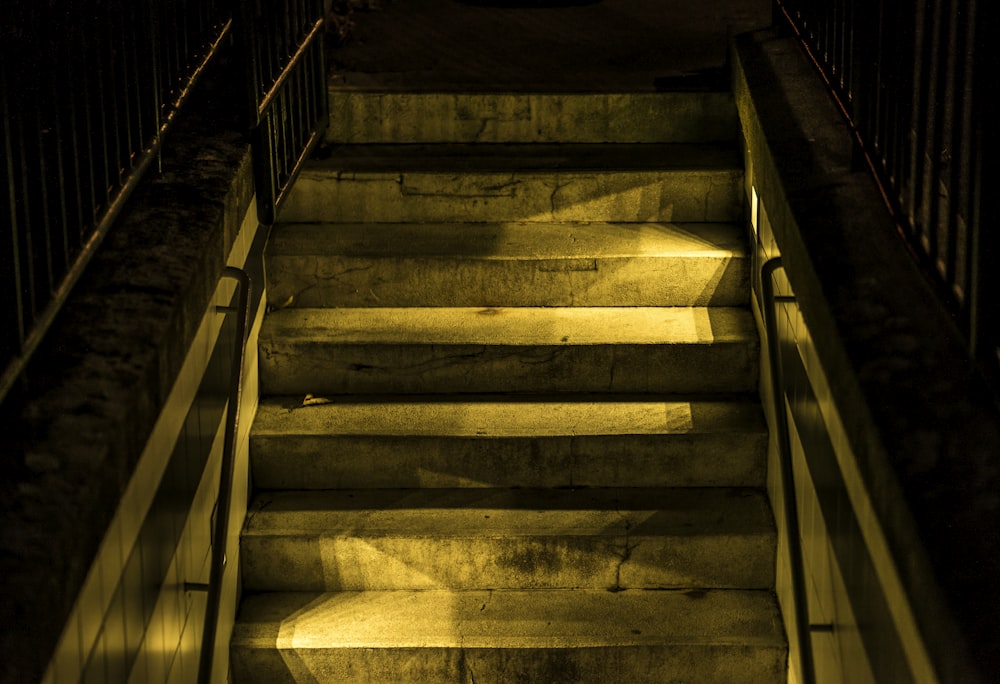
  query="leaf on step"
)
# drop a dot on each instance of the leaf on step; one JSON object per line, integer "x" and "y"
{"x": 282, "y": 305}
{"x": 310, "y": 400}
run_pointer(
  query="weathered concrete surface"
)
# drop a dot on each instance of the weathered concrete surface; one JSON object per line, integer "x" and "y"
{"x": 360, "y": 116}
{"x": 424, "y": 183}
{"x": 364, "y": 333}
{"x": 494, "y": 442}
{"x": 715, "y": 637}
{"x": 467, "y": 539}
{"x": 571, "y": 349}
{"x": 507, "y": 264}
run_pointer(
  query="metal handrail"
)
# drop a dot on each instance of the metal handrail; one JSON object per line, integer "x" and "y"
{"x": 220, "y": 537}
{"x": 802, "y": 627}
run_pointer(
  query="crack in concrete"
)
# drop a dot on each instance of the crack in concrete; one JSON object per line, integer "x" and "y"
{"x": 335, "y": 278}
{"x": 708, "y": 199}
{"x": 625, "y": 554}
{"x": 505, "y": 189}
{"x": 500, "y": 187}
{"x": 545, "y": 356}
{"x": 263, "y": 503}
{"x": 559, "y": 185}
{"x": 483, "y": 123}
{"x": 573, "y": 455}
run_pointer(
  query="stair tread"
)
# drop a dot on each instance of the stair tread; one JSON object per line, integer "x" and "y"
{"x": 491, "y": 417}
{"x": 620, "y": 513}
{"x": 526, "y": 157}
{"x": 513, "y": 326}
{"x": 509, "y": 240}
{"x": 507, "y": 619}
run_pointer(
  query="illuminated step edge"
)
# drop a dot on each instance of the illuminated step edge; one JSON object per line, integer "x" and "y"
{"x": 574, "y": 349}
{"x": 507, "y": 264}
{"x": 334, "y": 442}
{"x": 508, "y": 539}
{"x": 427, "y": 183}
{"x": 707, "y": 636}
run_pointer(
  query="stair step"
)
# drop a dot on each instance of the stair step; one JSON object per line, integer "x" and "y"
{"x": 531, "y": 183}
{"x": 710, "y": 637}
{"x": 600, "y": 538}
{"x": 449, "y": 350}
{"x": 499, "y": 441}
{"x": 377, "y": 116}
{"x": 508, "y": 264}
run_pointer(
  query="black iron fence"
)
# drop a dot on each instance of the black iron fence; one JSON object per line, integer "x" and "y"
{"x": 288, "y": 81}
{"x": 89, "y": 91}
{"x": 914, "y": 78}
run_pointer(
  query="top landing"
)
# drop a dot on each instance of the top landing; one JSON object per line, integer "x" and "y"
{"x": 542, "y": 45}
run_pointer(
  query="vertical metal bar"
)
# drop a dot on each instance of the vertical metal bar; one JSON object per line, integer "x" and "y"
{"x": 800, "y": 600}
{"x": 115, "y": 154}
{"x": 917, "y": 129}
{"x": 102, "y": 143}
{"x": 75, "y": 219}
{"x": 985, "y": 247}
{"x": 224, "y": 499}
{"x": 928, "y": 123}
{"x": 125, "y": 98}
{"x": 849, "y": 52}
{"x": 42, "y": 228}
{"x": 937, "y": 248}
{"x": 156, "y": 66}
{"x": 133, "y": 77}
{"x": 900, "y": 101}
{"x": 945, "y": 148}
{"x": 93, "y": 130}
{"x": 59, "y": 259}
{"x": 26, "y": 181}
{"x": 15, "y": 328}
{"x": 958, "y": 238}
{"x": 966, "y": 168}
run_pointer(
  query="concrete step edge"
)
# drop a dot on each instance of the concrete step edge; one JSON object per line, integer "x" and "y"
{"x": 498, "y": 418}
{"x": 509, "y": 240}
{"x": 514, "y": 326}
{"x": 523, "y": 158}
{"x": 504, "y": 513}
{"x": 509, "y": 619}
{"x": 361, "y": 114}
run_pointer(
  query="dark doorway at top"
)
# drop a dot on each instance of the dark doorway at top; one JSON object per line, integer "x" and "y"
{"x": 528, "y": 4}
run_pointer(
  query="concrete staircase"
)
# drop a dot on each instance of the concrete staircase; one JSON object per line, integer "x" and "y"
{"x": 510, "y": 431}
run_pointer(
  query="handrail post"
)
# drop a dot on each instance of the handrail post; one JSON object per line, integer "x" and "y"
{"x": 221, "y": 534}
{"x": 791, "y": 514}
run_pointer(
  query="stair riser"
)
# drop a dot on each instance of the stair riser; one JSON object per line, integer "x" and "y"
{"x": 289, "y": 367}
{"x": 376, "y": 117}
{"x": 348, "y": 462}
{"x": 529, "y": 196}
{"x": 378, "y": 563}
{"x": 334, "y": 281}
{"x": 648, "y": 664}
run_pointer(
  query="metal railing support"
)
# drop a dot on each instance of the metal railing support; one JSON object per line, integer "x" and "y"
{"x": 803, "y": 630}
{"x": 220, "y": 536}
